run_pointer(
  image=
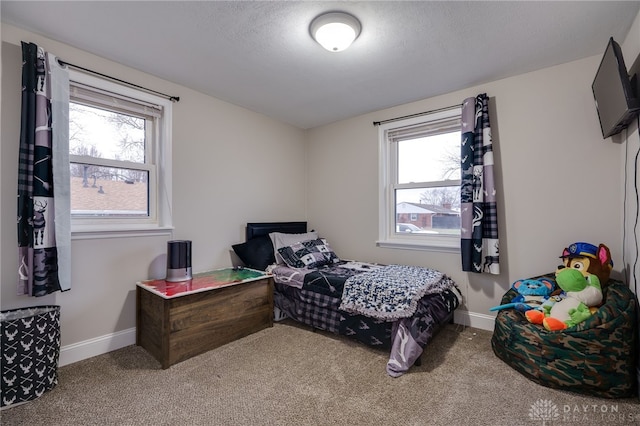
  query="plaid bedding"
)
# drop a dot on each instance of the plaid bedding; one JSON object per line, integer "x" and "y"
{"x": 314, "y": 309}
{"x": 317, "y": 303}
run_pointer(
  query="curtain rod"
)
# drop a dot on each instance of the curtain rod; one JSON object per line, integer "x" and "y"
{"x": 171, "y": 98}
{"x": 390, "y": 120}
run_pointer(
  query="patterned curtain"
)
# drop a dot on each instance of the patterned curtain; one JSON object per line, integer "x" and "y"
{"x": 40, "y": 215}
{"x": 479, "y": 243}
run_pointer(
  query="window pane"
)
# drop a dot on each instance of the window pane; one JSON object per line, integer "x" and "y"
{"x": 106, "y": 134}
{"x": 428, "y": 159}
{"x": 108, "y": 191}
{"x": 428, "y": 211}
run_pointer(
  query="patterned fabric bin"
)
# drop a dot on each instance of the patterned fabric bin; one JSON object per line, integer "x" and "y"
{"x": 597, "y": 357}
{"x": 30, "y": 347}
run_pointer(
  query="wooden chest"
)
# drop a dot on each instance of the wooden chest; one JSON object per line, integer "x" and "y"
{"x": 175, "y": 326}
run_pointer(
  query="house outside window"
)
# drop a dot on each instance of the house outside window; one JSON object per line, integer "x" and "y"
{"x": 420, "y": 182}
{"x": 120, "y": 158}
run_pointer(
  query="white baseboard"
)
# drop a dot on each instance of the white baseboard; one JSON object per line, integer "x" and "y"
{"x": 474, "y": 319}
{"x": 110, "y": 342}
{"x": 96, "y": 346}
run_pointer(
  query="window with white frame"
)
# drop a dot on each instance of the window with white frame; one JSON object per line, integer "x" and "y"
{"x": 119, "y": 157}
{"x": 420, "y": 181}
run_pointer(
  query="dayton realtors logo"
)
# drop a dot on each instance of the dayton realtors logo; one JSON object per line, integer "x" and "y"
{"x": 546, "y": 411}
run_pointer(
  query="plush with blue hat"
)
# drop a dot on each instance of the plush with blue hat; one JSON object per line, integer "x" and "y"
{"x": 585, "y": 269}
{"x": 588, "y": 259}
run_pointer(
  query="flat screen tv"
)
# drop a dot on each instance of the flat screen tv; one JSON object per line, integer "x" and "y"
{"x": 616, "y": 100}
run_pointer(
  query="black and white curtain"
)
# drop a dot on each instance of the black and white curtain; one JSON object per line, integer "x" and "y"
{"x": 44, "y": 237}
{"x": 479, "y": 215}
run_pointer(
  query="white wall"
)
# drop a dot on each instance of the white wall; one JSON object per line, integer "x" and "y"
{"x": 630, "y": 140}
{"x": 228, "y": 166}
{"x": 559, "y": 181}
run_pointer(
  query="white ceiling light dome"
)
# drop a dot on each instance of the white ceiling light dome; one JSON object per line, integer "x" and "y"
{"x": 335, "y": 31}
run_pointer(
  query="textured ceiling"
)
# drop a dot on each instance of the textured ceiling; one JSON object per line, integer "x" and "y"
{"x": 259, "y": 54}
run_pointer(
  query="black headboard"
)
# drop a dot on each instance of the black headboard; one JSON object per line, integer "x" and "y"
{"x": 257, "y": 229}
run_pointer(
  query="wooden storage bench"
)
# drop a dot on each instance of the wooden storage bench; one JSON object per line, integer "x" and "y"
{"x": 178, "y": 320}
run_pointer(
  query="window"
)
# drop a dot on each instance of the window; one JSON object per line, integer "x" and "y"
{"x": 119, "y": 158}
{"x": 420, "y": 181}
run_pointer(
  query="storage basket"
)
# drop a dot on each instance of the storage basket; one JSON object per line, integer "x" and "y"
{"x": 30, "y": 343}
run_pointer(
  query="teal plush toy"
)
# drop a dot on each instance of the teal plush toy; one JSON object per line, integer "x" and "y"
{"x": 531, "y": 294}
{"x": 582, "y": 294}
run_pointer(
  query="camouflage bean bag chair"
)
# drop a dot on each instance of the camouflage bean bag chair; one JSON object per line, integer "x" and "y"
{"x": 597, "y": 357}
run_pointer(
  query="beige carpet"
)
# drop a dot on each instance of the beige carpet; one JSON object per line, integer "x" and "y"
{"x": 289, "y": 375}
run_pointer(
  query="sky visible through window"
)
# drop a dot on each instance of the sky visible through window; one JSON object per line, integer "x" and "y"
{"x": 433, "y": 158}
{"x": 97, "y": 127}
{"x": 106, "y": 189}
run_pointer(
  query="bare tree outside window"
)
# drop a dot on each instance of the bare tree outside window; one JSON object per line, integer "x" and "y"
{"x": 428, "y": 190}
{"x": 445, "y": 197}
{"x": 102, "y": 145}
{"x": 119, "y": 157}
{"x": 131, "y": 131}
{"x": 420, "y": 176}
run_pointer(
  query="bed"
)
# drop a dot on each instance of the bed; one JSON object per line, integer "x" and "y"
{"x": 315, "y": 287}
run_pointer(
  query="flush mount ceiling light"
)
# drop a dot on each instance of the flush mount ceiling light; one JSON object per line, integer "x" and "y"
{"x": 335, "y": 31}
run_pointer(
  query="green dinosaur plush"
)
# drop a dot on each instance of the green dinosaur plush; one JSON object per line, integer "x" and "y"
{"x": 582, "y": 293}
{"x": 585, "y": 267}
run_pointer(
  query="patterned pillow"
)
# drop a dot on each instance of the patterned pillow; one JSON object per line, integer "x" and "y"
{"x": 280, "y": 239}
{"x": 325, "y": 249}
{"x": 308, "y": 254}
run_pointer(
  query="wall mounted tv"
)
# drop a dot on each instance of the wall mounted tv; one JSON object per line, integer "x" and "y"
{"x": 617, "y": 99}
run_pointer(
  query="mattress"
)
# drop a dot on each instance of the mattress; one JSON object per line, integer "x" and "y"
{"x": 314, "y": 296}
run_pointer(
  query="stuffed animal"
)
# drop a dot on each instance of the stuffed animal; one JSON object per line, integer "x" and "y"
{"x": 589, "y": 260}
{"x": 584, "y": 267}
{"x": 531, "y": 294}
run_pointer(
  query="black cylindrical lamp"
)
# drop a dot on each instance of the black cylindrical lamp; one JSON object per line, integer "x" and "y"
{"x": 178, "y": 260}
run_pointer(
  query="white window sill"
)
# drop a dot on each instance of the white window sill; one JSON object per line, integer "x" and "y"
{"x": 96, "y": 232}
{"x": 445, "y": 245}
